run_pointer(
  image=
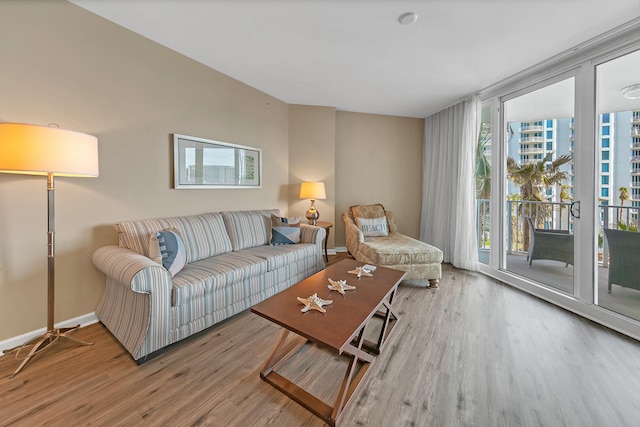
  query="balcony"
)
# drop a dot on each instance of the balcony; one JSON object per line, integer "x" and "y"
{"x": 531, "y": 139}
{"x": 531, "y": 128}
{"x": 555, "y": 274}
{"x": 530, "y": 150}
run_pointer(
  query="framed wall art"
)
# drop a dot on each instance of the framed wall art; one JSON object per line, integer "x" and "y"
{"x": 205, "y": 163}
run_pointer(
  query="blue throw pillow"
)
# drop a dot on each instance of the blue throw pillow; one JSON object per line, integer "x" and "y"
{"x": 285, "y": 231}
{"x": 172, "y": 251}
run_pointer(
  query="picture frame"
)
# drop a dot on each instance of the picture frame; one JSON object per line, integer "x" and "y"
{"x": 200, "y": 163}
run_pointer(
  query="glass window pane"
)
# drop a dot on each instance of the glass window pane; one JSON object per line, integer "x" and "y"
{"x": 618, "y": 284}
{"x": 542, "y": 193}
{"x": 483, "y": 185}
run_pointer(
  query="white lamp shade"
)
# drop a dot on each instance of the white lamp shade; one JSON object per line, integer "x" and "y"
{"x": 41, "y": 150}
{"x": 312, "y": 190}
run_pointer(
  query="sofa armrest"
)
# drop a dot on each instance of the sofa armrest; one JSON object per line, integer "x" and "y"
{"x": 353, "y": 235}
{"x": 315, "y": 235}
{"x": 312, "y": 234}
{"x": 128, "y": 267}
{"x": 136, "y": 305}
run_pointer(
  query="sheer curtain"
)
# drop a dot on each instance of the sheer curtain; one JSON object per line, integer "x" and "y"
{"x": 448, "y": 218}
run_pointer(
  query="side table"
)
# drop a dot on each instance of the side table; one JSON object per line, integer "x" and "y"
{"x": 327, "y": 226}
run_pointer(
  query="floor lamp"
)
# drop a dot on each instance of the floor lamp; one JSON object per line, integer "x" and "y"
{"x": 47, "y": 151}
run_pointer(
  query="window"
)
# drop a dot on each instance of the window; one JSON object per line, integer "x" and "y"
{"x": 605, "y": 142}
{"x": 604, "y": 192}
{"x": 606, "y": 118}
{"x": 549, "y": 146}
{"x": 605, "y": 167}
{"x": 605, "y": 155}
{"x": 605, "y": 130}
{"x": 605, "y": 180}
{"x": 549, "y": 134}
{"x": 549, "y": 123}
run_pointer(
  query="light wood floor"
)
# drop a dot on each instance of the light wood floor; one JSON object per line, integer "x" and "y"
{"x": 473, "y": 353}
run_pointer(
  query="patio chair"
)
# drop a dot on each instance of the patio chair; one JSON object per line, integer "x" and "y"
{"x": 624, "y": 258}
{"x": 554, "y": 245}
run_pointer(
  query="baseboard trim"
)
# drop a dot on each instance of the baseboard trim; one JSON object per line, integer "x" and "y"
{"x": 84, "y": 320}
{"x": 340, "y": 249}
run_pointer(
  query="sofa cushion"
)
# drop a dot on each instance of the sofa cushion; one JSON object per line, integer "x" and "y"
{"x": 285, "y": 231}
{"x": 373, "y": 227}
{"x": 285, "y": 255}
{"x": 247, "y": 229}
{"x": 156, "y": 248}
{"x": 172, "y": 251}
{"x": 220, "y": 275}
{"x": 203, "y": 235}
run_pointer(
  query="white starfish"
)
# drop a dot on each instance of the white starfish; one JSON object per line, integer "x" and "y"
{"x": 314, "y": 303}
{"x": 340, "y": 286}
{"x": 361, "y": 271}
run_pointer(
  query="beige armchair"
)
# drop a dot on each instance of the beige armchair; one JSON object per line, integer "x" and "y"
{"x": 366, "y": 241}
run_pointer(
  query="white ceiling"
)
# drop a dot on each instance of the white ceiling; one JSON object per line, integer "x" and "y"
{"x": 355, "y": 56}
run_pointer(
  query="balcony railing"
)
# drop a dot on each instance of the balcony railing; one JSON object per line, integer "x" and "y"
{"x": 531, "y": 128}
{"x": 530, "y": 150}
{"x": 531, "y": 138}
{"x": 550, "y": 215}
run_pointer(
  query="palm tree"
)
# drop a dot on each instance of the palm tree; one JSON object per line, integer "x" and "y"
{"x": 624, "y": 195}
{"x": 483, "y": 179}
{"x": 483, "y": 163}
{"x": 533, "y": 178}
{"x": 564, "y": 193}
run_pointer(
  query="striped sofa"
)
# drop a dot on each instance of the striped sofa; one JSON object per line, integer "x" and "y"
{"x": 231, "y": 267}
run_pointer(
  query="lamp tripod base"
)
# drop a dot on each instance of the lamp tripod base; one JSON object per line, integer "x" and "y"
{"x": 43, "y": 342}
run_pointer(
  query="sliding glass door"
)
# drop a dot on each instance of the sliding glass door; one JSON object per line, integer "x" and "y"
{"x": 540, "y": 185}
{"x": 618, "y": 185}
{"x": 564, "y": 207}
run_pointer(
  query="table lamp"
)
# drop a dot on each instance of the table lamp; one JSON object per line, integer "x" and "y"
{"x": 48, "y": 151}
{"x": 314, "y": 191}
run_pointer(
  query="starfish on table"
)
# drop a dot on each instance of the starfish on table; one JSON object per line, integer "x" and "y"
{"x": 314, "y": 303}
{"x": 361, "y": 271}
{"x": 340, "y": 286}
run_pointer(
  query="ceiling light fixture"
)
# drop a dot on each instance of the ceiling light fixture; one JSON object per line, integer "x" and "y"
{"x": 631, "y": 92}
{"x": 408, "y": 18}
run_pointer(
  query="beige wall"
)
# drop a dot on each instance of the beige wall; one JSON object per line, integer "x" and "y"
{"x": 379, "y": 160}
{"x": 64, "y": 65}
{"x": 312, "y": 141}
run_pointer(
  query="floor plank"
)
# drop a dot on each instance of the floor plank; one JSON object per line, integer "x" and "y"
{"x": 473, "y": 353}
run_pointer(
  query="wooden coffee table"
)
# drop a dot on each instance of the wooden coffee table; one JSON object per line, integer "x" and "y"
{"x": 341, "y": 329}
